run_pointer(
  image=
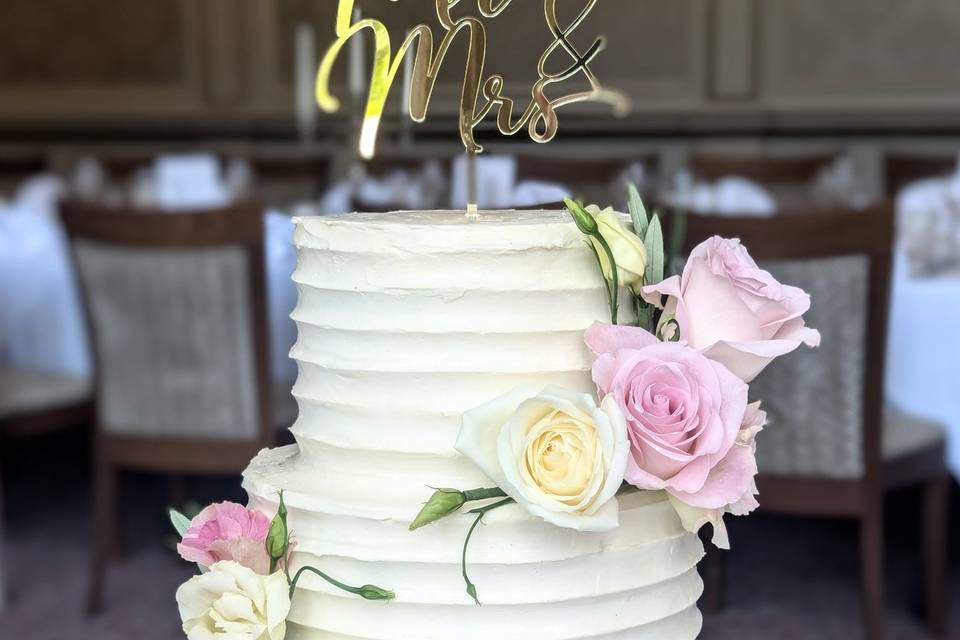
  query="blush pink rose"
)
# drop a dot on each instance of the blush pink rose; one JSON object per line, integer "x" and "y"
{"x": 684, "y": 416}
{"x": 227, "y": 531}
{"x": 734, "y": 311}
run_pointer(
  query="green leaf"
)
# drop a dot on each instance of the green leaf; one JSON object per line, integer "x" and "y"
{"x": 653, "y": 242}
{"x": 638, "y": 212}
{"x": 180, "y": 522}
{"x": 644, "y": 316}
{"x": 678, "y": 234}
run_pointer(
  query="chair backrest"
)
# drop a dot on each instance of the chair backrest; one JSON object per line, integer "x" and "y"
{"x": 825, "y": 405}
{"x": 902, "y": 169}
{"x": 176, "y": 304}
{"x": 787, "y": 178}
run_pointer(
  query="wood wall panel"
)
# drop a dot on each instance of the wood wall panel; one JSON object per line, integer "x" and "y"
{"x": 862, "y": 53}
{"x": 70, "y": 60}
{"x": 656, "y": 49}
{"x": 50, "y": 41}
{"x": 688, "y": 62}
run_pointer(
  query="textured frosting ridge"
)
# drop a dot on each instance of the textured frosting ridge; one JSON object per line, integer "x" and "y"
{"x": 405, "y": 321}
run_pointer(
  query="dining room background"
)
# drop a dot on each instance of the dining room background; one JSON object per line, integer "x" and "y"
{"x": 754, "y": 110}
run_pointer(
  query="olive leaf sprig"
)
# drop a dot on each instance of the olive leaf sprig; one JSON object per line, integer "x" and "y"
{"x": 446, "y": 502}
{"x": 650, "y": 231}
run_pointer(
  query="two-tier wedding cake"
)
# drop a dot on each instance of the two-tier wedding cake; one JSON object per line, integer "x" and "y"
{"x": 407, "y": 320}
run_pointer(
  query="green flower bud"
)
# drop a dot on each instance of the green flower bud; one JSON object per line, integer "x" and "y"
{"x": 584, "y": 221}
{"x": 371, "y": 592}
{"x": 441, "y": 504}
{"x": 278, "y": 538}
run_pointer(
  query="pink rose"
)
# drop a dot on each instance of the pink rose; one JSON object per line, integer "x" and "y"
{"x": 684, "y": 416}
{"x": 734, "y": 311}
{"x": 227, "y": 531}
{"x": 741, "y": 463}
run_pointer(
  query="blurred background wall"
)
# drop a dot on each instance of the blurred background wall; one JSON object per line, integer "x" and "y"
{"x": 130, "y": 78}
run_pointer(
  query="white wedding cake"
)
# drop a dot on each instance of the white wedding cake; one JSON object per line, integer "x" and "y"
{"x": 406, "y": 320}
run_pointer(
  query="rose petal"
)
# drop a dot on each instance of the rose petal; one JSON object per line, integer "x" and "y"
{"x": 604, "y": 338}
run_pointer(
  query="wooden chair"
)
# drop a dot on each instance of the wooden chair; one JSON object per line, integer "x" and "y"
{"x": 761, "y": 169}
{"x": 832, "y": 449}
{"x": 176, "y": 305}
{"x": 902, "y": 169}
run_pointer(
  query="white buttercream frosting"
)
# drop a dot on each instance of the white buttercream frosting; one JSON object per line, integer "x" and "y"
{"x": 406, "y": 320}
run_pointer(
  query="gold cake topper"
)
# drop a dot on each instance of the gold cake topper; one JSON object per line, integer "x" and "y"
{"x": 539, "y": 117}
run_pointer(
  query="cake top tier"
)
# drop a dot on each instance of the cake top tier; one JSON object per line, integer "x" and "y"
{"x": 439, "y": 231}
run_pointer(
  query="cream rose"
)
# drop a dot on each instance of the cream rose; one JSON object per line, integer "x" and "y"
{"x": 231, "y": 601}
{"x": 628, "y": 250}
{"x": 555, "y": 452}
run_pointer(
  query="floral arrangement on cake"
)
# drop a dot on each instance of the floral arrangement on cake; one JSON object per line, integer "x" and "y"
{"x": 671, "y": 412}
{"x": 245, "y": 584}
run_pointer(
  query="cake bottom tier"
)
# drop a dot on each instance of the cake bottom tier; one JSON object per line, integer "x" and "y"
{"x": 535, "y": 580}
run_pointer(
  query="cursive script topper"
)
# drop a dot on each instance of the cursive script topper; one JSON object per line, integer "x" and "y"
{"x": 480, "y": 95}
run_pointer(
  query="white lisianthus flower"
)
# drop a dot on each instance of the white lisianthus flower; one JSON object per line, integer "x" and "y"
{"x": 628, "y": 249}
{"x": 231, "y": 601}
{"x": 555, "y": 452}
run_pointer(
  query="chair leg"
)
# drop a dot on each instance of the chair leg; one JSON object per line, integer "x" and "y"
{"x": 714, "y": 573}
{"x": 3, "y": 581}
{"x": 104, "y": 530}
{"x": 872, "y": 572}
{"x": 935, "y": 507}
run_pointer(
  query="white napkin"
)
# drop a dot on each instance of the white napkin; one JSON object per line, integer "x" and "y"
{"x": 39, "y": 195}
{"x": 496, "y": 177}
{"x": 730, "y": 195}
{"x": 928, "y": 226}
{"x": 190, "y": 181}
{"x": 533, "y": 192}
{"x": 839, "y": 184}
{"x": 88, "y": 180}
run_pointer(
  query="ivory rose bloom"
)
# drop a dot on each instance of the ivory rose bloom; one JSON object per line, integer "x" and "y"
{"x": 227, "y": 531}
{"x": 734, "y": 311}
{"x": 684, "y": 415}
{"x": 555, "y": 452}
{"x": 628, "y": 250}
{"x": 231, "y": 601}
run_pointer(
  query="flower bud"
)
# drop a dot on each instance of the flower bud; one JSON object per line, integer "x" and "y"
{"x": 278, "y": 538}
{"x": 371, "y": 592}
{"x": 585, "y": 222}
{"x": 441, "y": 504}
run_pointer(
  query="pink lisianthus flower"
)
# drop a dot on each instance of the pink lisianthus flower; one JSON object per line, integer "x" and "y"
{"x": 227, "y": 531}
{"x": 691, "y": 430}
{"x": 732, "y": 310}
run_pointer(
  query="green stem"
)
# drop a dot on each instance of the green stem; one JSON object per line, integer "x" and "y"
{"x": 286, "y": 565}
{"x": 613, "y": 287}
{"x": 364, "y": 591}
{"x": 480, "y": 512}
{"x": 473, "y": 495}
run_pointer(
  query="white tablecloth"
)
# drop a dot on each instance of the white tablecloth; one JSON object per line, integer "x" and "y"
{"x": 924, "y": 350}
